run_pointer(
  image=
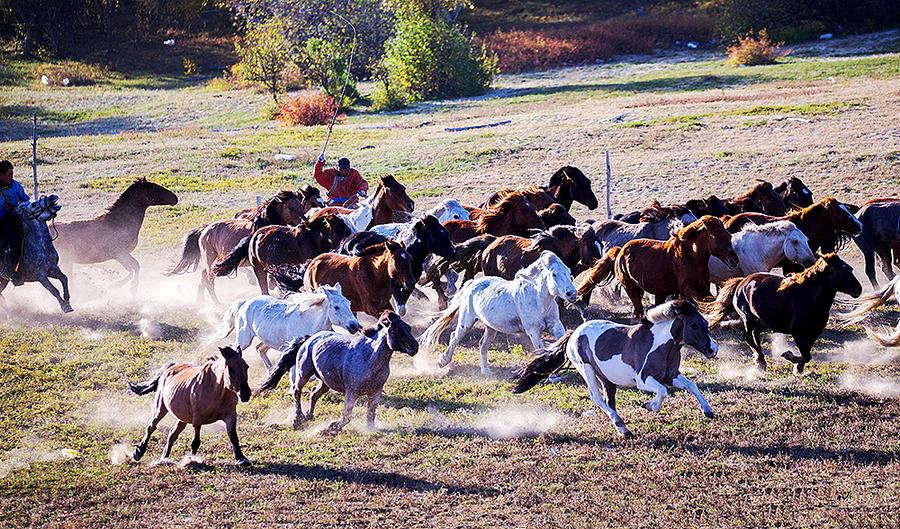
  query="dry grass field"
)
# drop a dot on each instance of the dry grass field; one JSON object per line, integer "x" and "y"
{"x": 455, "y": 449}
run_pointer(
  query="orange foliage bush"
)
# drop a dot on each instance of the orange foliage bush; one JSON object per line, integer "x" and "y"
{"x": 314, "y": 108}
{"x": 752, "y": 50}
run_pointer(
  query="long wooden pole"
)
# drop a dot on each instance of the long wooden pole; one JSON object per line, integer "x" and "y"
{"x": 34, "y": 154}
{"x": 608, "y": 186}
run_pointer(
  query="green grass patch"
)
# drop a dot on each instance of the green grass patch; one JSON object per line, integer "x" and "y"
{"x": 177, "y": 182}
{"x": 25, "y": 113}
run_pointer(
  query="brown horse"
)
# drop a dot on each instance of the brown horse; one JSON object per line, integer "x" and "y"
{"x": 509, "y": 254}
{"x": 760, "y": 198}
{"x": 197, "y": 396}
{"x": 213, "y": 242}
{"x": 371, "y": 279}
{"x": 309, "y": 196}
{"x": 556, "y": 215}
{"x": 274, "y": 247}
{"x": 114, "y": 234}
{"x": 566, "y": 186}
{"x": 798, "y": 304}
{"x": 825, "y": 219}
{"x": 678, "y": 266}
{"x": 389, "y": 202}
{"x": 514, "y": 215}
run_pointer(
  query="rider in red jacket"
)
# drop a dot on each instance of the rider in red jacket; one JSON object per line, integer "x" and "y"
{"x": 343, "y": 184}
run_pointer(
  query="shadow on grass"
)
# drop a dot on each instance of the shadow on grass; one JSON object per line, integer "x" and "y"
{"x": 858, "y": 456}
{"x": 16, "y": 125}
{"x": 368, "y": 477}
{"x": 84, "y": 320}
{"x": 667, "y": 84}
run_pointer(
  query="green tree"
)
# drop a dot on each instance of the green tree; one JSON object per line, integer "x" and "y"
{"x": 265, "y": 53}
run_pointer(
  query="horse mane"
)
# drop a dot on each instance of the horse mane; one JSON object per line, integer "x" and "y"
{"x": 127, "y": 196}
{"x": 266, "y": 213}
{"x": 694, "y": 227}
{"x": 759, "y": 188}
{"x": 780, "y": 226}
{"x": 307, "y": 300}
{"x": 808, "y": 274}
{"x": 670, "y": 310}
{"x": 497, "y": 211}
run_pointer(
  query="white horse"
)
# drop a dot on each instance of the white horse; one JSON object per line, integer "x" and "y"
{"x": 402, "y": 232}
{"x": 277, "y": 322}
{"x": 646, "y": 356}
{"x": 870, "y": 302}
{"x": 359, "y": 218}
{"x": 525, "y": 304}
{"x": 762, "y": 247}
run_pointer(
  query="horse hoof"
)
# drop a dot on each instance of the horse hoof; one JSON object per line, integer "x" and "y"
{"x": 67, "y": 308}
{"x": 137, "y": 455}
{"x": 244, "y": 462}
{"x": 626, "y": 434}
{"x": 709, "y": 414}
{"x": 444, "y": 362}
{"x": 298, "y": 423}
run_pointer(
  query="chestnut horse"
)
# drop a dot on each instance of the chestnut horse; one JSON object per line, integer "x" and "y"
{"x": 566, "y": 186}
{"x": 798, "y": 304}
{"x": 273, "y": 247}
{"x": 114, "y": 234}
{"x": 676, "y": 267}
{"x": 197, "y": 396}
{"x": 372, "y": 280}
{"x": 310, "y": 197}
{"x": 211, "y": 242}
{"x": 513, "y": 215}
{"x": 389, "y": 202}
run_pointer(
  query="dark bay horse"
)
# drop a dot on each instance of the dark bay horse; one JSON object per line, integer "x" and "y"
{"x": 357, "y": 366}
{"x": 567, "y": 185}
{"x": 760, "y": 198}
{"x": 646, "y": 356}
{"x": 197, "y": 395}
{"x": 678, "y": 266}
{"x": 389, "y": 201}
{"x": 373, "y": 280}
{"x": 556, "y": 215}
{"x": 794, "y": 193}
{"x": 798, "y": 304}
{"x": 880, "y": 220}
{"x": 273, "y": 247}
{"x": 505, "y": 256}
{"x": 114, "y": 234}
{"x": 212, "y": 242}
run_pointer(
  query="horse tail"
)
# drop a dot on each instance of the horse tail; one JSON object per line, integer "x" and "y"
{"x": 600, "y": 273}
{"x": 288, "y": 278}
{"x": 887, "y": 340}
{"x": 543, "y": 366}
{"x": 227, "y": 326}
{"x": 231, "y": 262}
{"x": 721, "y": 306}
{"x": 868, "y": 303}
{"x": 468, "y": 257}
{"x": 287, "y": 361}
{"x": 190, "y": 253}
{"x": 432, "y": 334}
{"x": 149, "y": 386}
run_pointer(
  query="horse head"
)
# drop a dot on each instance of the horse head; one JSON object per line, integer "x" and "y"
{"x": 235, "y": 373}
{"x": 556, "y": 215}
{"x": 578, "y": 185}
{"x": 711, "y": 231}
{"x": 310, "y": 197}
{"x": 769, "y": 201}
{"x": 842, "y": 220}
{"x": 152, "y": 194}
{"x": 524, "y": 215}
{"x": 589, "y": 247}
{"x": 430, "y": 231}
{"x": 399, "y": 268}
{"x": 795, "y": 193}
{"x": 399, "y": 334}
{"x": 796, "y": 246}
{"x": 693, "y": 327}
{"x": 286, "y": 208}
{"x": 451, "y": 209}
{"x": 558, "y": 276}
{"x": 840, "y": 275}
{"x": 393, "y": 195}
{"x": 339, "y": 312}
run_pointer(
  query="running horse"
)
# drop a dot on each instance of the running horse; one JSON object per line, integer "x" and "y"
{"x": 678, "y": 266}
{"x": 880, "y": 219}
{"x": 388, "y": 202}
{"x": 869, "y": 303}
{"x": 212, "y": 242}
{"x": 114, "y": 234}
{"x": 798, "y": 304}
{"x": 513, "y": 215}
{"x": 567, "y": 186}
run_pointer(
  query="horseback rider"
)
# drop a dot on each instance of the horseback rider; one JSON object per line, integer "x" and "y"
{"x": 11, "y": 195}
{"x": 344, "y": 184}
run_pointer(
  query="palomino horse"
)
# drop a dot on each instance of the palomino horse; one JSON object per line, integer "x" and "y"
{"x": 197, "y": 396}
{"x": 357, "y": 366}
{"x": 375, "y": 279}
{"x": 389, "y": 201}
{"x": 880, "y": 220}
{"x": 798, "y": 304}
{"x": 212, "y": 242}
{"x": 527, "y": 304}
{"x": 273, "y": 247}
{"x": 794, "y": 193}
{"x": 277, "y": 322}
{"x": 114, "y": 234}
{"x": 870, "y": 302}
{"x": 762, "y": 247}
{"x": 39, "y": 261}
{"x": 646, "y": 356}
{"x": 567, "y": 185}
{"x": 678, "y": 266}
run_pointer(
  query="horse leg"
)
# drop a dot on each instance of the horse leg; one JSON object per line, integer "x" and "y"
{"x": 208, "y": 280}
{"x": 3, "y": 305}
{"x": 636, "y": 295}
{"x": 452, "y": 278}
{"x": 486, "y": 340}
{"x": 591, "y": 378}
{"x": 314, "y": 398}
{"x": 299, "y": 417}
{"x": 195, "y": 443}
{"x": 465, "y": 320}
{"x": 652, "y": 385}
{"x": 173, "y": 436}
{"x": 58, "y": 274}
{"x": 349, "y": 402}
{"x": 261, "y": 348}
{"x": 370, "y": 412}
{"x": 683, "y": 382}
{"x": 752, "y": 333}
{"x": 804, "y": 345}
{"x": 134, "y": 270}
{"x": 884, "y": 255}
{"x": 442, "y": 298}
{"x": 161, "y": 412}
{"x": 63, "y": 304}
{"x": 868, "y": 250}
{"x": 231, "y": 428}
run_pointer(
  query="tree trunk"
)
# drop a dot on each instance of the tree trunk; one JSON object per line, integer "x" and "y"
{"x": 28, "y": 43}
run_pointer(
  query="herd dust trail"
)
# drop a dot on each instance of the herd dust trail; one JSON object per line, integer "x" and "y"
{"x": 504, "y": 422}
{"x": 872, "y": 386}
{"x": 31, "y": 451}
{"x": 149, "y": 329}
{"x": 120, "y": 453}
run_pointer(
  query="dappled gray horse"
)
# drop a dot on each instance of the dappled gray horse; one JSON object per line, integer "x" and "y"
{"x": 39, "y": 261}
{"x": 354, "y": 365}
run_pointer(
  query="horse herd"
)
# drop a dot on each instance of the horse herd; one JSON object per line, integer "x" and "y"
{"x": 331, "y": 264}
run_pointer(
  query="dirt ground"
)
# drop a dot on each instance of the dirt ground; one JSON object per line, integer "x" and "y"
{"x": 454, "y": 448}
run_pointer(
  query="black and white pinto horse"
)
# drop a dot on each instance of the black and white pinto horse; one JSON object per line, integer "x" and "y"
{"x": 39, "y": 261}
{"x": 646, "y": 356}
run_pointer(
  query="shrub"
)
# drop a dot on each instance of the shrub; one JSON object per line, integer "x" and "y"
{"x": 314, "y": 108}
{"x": 218, "y": 84}
{"x": 752, "y": 50}
{"x": 72, "y": 73}
{"x": 387, "y": 98}
{"x": 326, "y": 62}
{"x": 190, "y": 67}
{"x": 265, "y": 54}
{"x": 430, "y": 58}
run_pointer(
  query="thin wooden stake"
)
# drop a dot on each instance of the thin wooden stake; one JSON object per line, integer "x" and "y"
{"x": 608, "y": 186}
{"x": 34, "y": 155}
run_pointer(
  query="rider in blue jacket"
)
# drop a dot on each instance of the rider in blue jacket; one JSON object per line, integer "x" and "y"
{"x": 11, "y": 195}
